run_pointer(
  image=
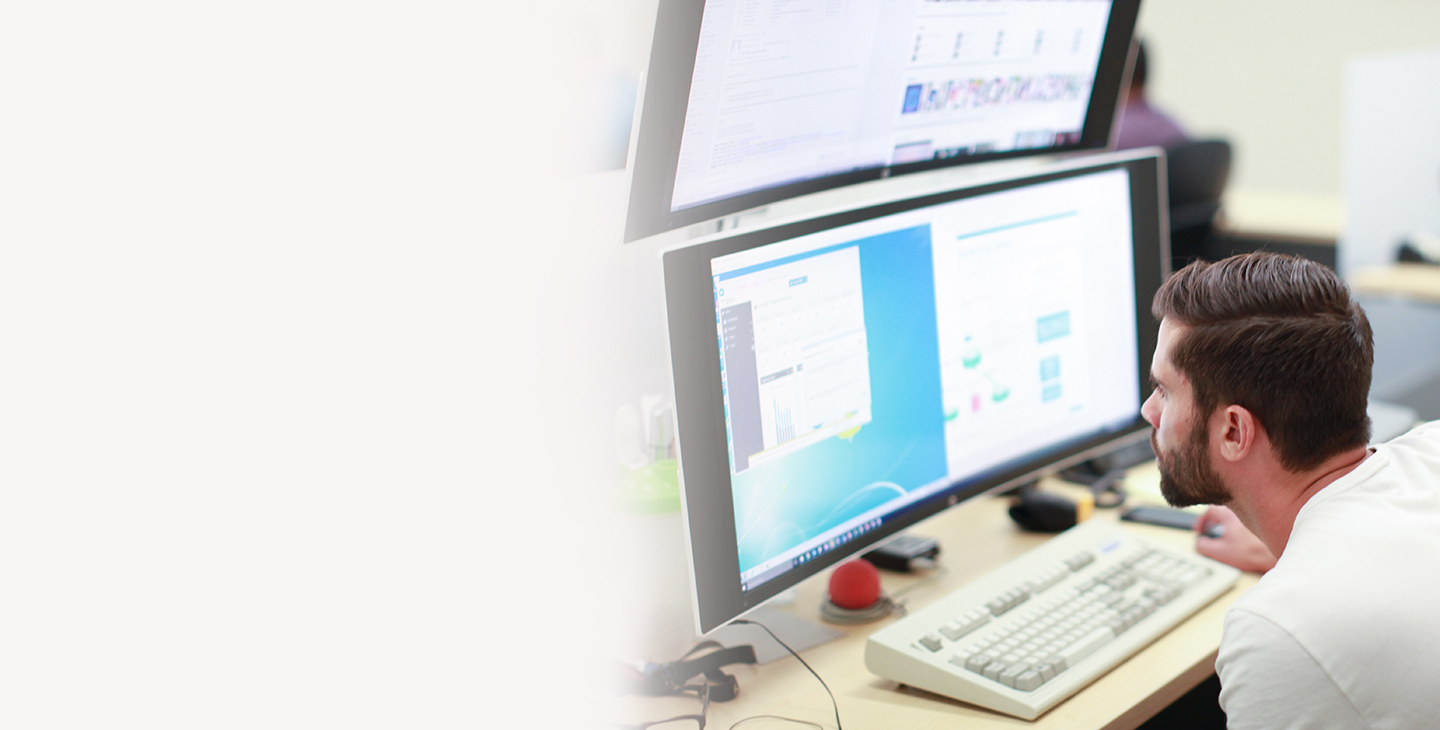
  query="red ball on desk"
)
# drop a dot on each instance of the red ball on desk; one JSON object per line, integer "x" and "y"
{"x": 855, "y": 585}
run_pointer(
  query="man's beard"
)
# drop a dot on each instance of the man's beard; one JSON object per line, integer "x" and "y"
{"x": 1186, "y": 475}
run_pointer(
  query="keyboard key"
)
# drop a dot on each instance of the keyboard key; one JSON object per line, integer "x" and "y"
{"x": 1086, "y": 645}
{"x": 960, "y": 627}
{"x": 993, "y": 670}
{"x": 1028, "y": 681}
{"x": 1013, "y": 673}
{"x": 1079, "y": 561}
{"x": 1047, "y": 671}
{"x": 1120, "y": 581}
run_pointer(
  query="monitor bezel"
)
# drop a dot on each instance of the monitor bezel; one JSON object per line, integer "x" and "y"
{"x": 707, "y": 504}
{"x": 665, "y": 95}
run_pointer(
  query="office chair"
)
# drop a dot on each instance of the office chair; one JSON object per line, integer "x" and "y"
{"x": 1197, "y": 173}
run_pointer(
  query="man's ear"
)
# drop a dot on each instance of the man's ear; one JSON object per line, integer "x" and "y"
{"x": 1237, "y": 430}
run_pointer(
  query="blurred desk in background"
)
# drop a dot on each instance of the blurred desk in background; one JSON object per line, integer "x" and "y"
{"x": 1289, "y": 223}
{"x": 1291, "y": 215}
{"x": 1419, "y": 282}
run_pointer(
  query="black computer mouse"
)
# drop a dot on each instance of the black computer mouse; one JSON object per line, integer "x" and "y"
{"x": 1043, "y": 512}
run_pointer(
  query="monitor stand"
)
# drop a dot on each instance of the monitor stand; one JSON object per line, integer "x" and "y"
{"x": 798, "y": 633}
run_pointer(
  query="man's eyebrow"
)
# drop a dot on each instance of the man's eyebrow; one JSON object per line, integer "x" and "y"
{"x": 1154, "y": 384}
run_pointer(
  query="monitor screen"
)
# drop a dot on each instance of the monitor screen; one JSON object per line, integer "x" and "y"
{"x": 840, "y": 378}
{"x": 746, "y": 102}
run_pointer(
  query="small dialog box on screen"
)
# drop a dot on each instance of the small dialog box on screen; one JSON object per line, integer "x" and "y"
{"x": 793, "y": 353}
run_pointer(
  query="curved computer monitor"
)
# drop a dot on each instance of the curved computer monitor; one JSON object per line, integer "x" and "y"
{"x": 745, "y": 104}
{"x": 841, "y": 378}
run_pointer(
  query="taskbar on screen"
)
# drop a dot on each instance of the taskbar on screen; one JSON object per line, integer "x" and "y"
{"x": 808, "y": 555}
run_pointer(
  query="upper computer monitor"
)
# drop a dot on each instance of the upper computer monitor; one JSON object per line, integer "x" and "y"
{"x": 841, "y": 378}
{"x": 749, "y": 102}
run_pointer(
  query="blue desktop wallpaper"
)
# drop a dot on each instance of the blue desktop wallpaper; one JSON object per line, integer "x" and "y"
{"x": 780, "y": 504}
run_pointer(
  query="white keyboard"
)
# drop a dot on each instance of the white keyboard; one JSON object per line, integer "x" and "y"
{"x": 1031, "y": 633}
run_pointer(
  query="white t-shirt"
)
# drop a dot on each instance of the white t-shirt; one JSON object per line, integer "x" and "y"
{"x": 1344, "y": 631}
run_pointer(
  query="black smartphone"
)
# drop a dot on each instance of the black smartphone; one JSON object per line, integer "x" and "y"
{"x": 1167, "y": 516}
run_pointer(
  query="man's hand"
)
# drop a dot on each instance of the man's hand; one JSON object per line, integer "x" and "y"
{"x": 1236, "y": 546}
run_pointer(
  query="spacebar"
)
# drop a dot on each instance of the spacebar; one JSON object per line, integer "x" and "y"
{"x": 1085, "y": 645}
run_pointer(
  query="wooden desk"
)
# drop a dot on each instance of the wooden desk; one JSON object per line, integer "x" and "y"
{"x": 1420, "y": 282}
{"x": 1290, "y": 215}
{"x": 975, "y": 538}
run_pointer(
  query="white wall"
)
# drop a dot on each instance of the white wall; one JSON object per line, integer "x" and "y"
{"x": 1269, "y": 74}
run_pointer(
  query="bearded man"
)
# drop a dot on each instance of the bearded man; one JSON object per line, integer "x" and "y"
{"x": 1260, "y": 379}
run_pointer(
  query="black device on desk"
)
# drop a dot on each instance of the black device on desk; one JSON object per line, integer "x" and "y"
{"x": 903, "y": 552}
{"x": 1163, "y": 516}
{"x": 1169, "y": 517}
{"x": 841, "y": 378}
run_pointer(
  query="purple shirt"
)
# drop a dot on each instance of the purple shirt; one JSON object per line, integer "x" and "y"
{"x": 1141, "y": 125}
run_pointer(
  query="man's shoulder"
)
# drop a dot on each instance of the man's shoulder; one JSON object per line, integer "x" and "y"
{"x": 1338, "y": 558}
{"x": 1424, "y": 437}
{"x": 1407, "y": 466}
{"x": 1404, "y": 471}
{"x": 1288, "y": 594}
{"x": 1354, "y": 563}
{"x": 1351, "y": 639}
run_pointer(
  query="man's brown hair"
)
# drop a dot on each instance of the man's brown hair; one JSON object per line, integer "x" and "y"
{"x": 1281, "y": 337}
